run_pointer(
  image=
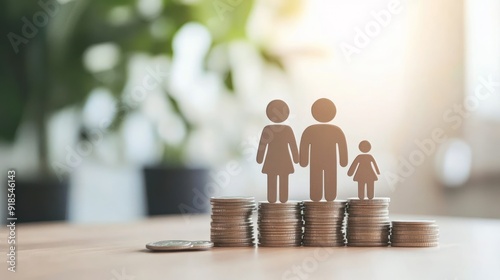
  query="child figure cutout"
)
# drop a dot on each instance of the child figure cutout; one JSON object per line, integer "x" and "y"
{"x": 275, "y": 145}
{"x": 364, "y": 172}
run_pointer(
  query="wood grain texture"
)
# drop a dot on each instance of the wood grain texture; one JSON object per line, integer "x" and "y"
{"x": 470, "y": 249}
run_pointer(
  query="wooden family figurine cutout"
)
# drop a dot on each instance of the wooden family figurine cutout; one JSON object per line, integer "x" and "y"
{"x": 363, "y": 170}
{"x": 318, "y": 149}
{"x": 278, "y": 140}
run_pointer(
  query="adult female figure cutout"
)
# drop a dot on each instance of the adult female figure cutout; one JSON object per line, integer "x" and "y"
{"x": 363, "y": 169}
{"x": 275, "y": 145}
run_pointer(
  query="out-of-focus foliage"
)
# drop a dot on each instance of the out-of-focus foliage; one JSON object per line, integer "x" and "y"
{"x": 46, "y": 72}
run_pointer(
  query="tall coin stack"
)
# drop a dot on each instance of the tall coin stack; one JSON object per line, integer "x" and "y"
{"x": 280, "y": 224}
{"x": 324, "y": 223}
{"x": 414, "y": 234}
{"x": 232, "y": 224}
{"x": 368, "y": 223}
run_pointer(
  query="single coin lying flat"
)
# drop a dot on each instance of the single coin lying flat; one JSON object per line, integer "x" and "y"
{"x": 179, "y": 245}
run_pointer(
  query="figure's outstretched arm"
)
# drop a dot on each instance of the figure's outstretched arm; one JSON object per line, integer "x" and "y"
{"x": 304, "y": 149}
{"x": 375, "y": 165}
{"x": 262, "y": 146}
{"x": 342, "y": 149}
{"x": 353, "y": 167}
{"x": 293, "y": 147}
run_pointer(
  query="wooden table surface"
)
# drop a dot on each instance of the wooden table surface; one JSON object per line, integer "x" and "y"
{"x": 469, "y": 249}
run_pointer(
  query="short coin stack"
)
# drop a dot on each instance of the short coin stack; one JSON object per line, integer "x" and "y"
{"x": 324, "y": 223}
{"x": 368, "y": 223}
{"x": 280, "y": 224}
{"x": 414, "y": 234}
{"x": 232, "y": 224}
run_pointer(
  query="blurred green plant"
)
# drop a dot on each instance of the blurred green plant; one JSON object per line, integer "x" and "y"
{"x": 43, "y": 71}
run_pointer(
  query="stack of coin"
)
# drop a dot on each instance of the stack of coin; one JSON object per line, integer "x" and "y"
{"x": 414, "y": 234}
{"x": 232, "y": 224}
{"x": 324, "y": 223}
{"x": 280, "y": 224}
{"x": 368, "y": 223}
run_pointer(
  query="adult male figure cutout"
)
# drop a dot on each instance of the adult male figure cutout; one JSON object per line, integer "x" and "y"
{"x": 318, "y": 148}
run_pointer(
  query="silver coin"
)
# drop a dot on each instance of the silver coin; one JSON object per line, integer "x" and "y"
{"x": 415, "y": 244}
{"x": 280, "y": 225}
{"x": 233, "y": 205}
{"x": 334, "y": 213}
{"x": 324, "y": 221}
{"x": 415, "y": 241}
{"x": 368, "y": 229}
{"x": 340, "y": 237}
{"x": 331, "y": 233}
{"x": 280, "y": 245}
{"x": 415, "y": 237}
{"x": 244, "y": 244}
{"x": 279, "y": 234}
{"x": 232, "y": 222}
{"x": 309, "y": 216}
{"x": 367, "y": 206}
{"x": 323, "y": 234}
{"x": 279, "y": 231}
{"x": 242, "y": 215}
{"x": 280, "y": 212}
{"x": 218, "y": 242}
{"x": 368, "y": 217}
{"x": 232, "y": 228}
{"x": 409, "y": 235}
{"x": 248, "y": 206}
{"x": 278, "y": 217}
{"x": 367, "y": 221}
{"x": 415, "y": 228}
{"x": 367, "y": 244}
{"x": 373, "y": 200}
{"x": 271, "y": 226}
{"x": 368, "y": 214}
{"x": 231, "y": 217}
{"x": 323, "y": 239}
{"x": 325, "y": 210}
{"x": 281, "y": 222}
{"x": 169, "y": 245}
{"x": 232, "y": 199}
{"x": 226, "y": 232}
{"x": 282, "y": 242}
{"x": 413, "y": 222}
{"x": 201, "y": 245}
{"x": 233, "y": 240}
{"x": 324, "y": 244}
{"x": 236, "y": 227}
{"x": 366, "y": 235}
{"x": 415, "y": 231}
{"x": 232, "y": 212}
{"x": 289, "y": 202}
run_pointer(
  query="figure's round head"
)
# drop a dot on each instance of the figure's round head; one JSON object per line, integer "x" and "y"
{"x": 277, "y": 111}
{"x": 323, "y": 110}
{"x": 365, "y": 146}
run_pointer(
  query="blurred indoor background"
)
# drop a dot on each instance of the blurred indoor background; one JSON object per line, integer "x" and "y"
{"x": 115, "y": 110}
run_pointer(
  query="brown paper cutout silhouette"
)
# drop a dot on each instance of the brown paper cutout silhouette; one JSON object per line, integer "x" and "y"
{"x": 363, "y": 172}
{"x": 318, "y": 148}
{"x": 278, "y": 141}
